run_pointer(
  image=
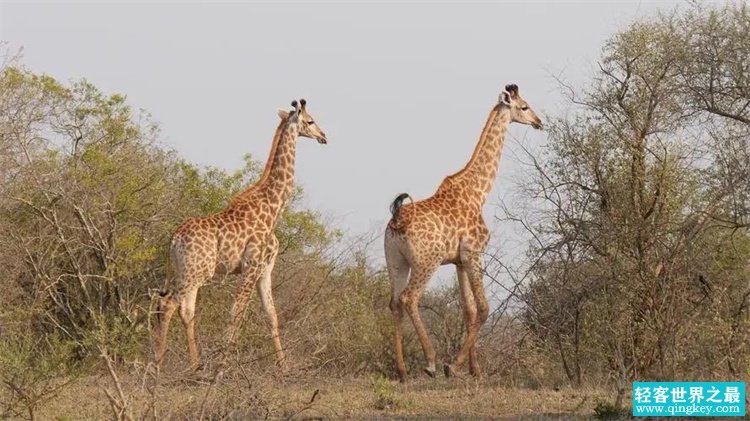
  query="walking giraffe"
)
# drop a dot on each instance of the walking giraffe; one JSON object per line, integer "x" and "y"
{"x": 240, "y": 240}
{"x": 448, "y": 228}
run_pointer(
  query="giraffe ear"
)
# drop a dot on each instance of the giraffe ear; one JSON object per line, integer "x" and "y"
{"x": 504, "y": 98}
{"x": 282, "y": 113}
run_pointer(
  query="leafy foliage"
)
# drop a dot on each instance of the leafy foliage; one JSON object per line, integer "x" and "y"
{"x": 640, "y": 249}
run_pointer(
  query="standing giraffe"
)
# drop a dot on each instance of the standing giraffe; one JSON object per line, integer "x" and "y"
{"x": 238, "y": 240}
{"x": 448, "y": 228}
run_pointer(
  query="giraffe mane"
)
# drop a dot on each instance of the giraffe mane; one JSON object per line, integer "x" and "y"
{"x": 269, "y": 161}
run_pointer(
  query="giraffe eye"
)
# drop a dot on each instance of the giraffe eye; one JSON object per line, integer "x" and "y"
{"x": 524, "y": 108}
{"x": 310, "y": 122}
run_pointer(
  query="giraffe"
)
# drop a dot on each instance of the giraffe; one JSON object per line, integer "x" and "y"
{"x": 448, "y": 228}
{"x": 238, "y": 240}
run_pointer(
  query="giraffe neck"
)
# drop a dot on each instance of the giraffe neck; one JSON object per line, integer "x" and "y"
{"x": 478, "y": 175}
{"x": 245, "y": 194}
{"x": 278, "y": 183}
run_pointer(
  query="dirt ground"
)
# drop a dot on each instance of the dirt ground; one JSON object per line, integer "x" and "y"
{"x": 357, "y": 398}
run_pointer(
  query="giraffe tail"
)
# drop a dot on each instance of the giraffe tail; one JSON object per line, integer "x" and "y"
{"x": 396, "y": 207}
{"x": 168, "y": 287}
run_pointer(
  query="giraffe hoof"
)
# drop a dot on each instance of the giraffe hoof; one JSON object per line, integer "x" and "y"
{"x": 449, "y": 371}
{"x": 430, "y": 371}
{"x": 475, "y": 371}
{"x": 283, "y": 369}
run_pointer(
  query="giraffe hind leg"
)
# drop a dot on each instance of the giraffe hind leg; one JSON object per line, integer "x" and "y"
{"x": 398, "y": 272}
{"x": 187, "y": 314}
{"x": 191, "y": 271}
{"x": 409, "y": 299}
{"x": 165, "y": 311}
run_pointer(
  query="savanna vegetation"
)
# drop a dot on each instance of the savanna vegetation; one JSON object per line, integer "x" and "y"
{"x": 637, "y": 265}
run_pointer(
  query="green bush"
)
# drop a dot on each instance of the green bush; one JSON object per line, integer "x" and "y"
{"x": 386, "y": 395}
{"x": 608, "y": 411}
{"x": 33, "y": 370}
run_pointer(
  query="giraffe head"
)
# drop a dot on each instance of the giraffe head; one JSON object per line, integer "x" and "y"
{"x": 307, "y": 125}
{"x": 520, "y": 112}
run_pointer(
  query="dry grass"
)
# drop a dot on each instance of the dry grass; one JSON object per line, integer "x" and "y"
{"x": 325, "y": 398}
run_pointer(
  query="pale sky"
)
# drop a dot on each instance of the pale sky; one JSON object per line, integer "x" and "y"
{"x": 401, "y": 89}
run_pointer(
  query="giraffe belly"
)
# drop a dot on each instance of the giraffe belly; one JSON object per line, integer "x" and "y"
{"x": 452, "y": 256}
{"x": 229, "y": 262}
{"x": 228, "y": 268}
{"x": 452, "y": 251}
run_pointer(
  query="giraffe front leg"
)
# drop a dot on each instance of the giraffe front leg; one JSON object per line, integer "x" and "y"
{"x": 266, "y": 300}
{"x": 250, "y": 275}
{"x": 472, "y": 264}
{"x": 470, "y": 315}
